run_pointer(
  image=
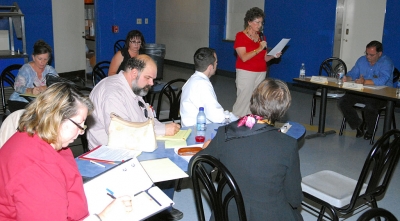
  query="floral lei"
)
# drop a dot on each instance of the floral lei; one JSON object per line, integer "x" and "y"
{"x": 250, "y": 120}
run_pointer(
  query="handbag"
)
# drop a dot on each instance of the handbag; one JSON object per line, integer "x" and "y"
{"x": 131, "y": 135}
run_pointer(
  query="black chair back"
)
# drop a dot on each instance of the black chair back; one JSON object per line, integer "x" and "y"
{"x": 172, "y": 91}
{"x": 377, "y": 170}
{"x": 377, "y": 213}
{"x": 220, "y": 196}
{"x": 100, "y": 71}
{"x": 8, "y": 76}
{"x": 118, "y": 45}
{"x": 331, "y": 66}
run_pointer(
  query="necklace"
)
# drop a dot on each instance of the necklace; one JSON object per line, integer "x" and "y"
{"x": 255, "y": 39}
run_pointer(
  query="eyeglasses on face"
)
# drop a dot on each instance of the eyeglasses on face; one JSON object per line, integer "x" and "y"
{"x": 79, "y": 126}
{"x": 144, "y": 107}
{"x": 136, "y": 42}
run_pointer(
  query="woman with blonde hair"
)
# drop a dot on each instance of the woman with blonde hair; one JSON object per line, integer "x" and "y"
{"x": 40, "y": 179}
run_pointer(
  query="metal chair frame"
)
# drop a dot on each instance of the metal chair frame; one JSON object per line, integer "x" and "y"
{"x": 7, "y": 77}
{"x": 200, "y": 173}
{"x": 118, "y": 45}
{"x": 173, "y": 95}
{"x": 100, "y": 71}
{"x": 329, "y": 66}
{"x": 376, "y": 173}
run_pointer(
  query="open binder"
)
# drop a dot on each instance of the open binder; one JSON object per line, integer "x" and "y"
{"x": 128, "y": 178}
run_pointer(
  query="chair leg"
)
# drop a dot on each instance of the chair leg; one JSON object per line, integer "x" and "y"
{"x": 393, "y": 120}
{"x": 375, "y": 128}
{"x": 342, "y": 126}
{"x": 312, "y": 110}
{"x": 178, "y": 186}
{"x": 321, "y": 213}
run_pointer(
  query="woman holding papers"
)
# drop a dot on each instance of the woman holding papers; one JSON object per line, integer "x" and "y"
{"x": 40, "y": 179}
{"x": 270, "y": 179}
{"x": 31, "y": 78}
{"x": 251, "y": 62}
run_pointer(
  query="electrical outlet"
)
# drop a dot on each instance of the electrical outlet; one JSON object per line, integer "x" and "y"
{"x": 146, "y": 21}
{"x": 139, "y": 21}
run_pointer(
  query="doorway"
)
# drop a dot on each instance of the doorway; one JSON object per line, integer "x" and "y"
{"x": 358, "y": 22}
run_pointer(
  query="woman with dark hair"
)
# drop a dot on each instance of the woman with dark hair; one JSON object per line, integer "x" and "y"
{"x": 264, "y": 162}
{"x": 39, "y": 176}
{"x": 134, "y": 45}
{"x": 31, "y": 78}
{"x": 251, "y": 61}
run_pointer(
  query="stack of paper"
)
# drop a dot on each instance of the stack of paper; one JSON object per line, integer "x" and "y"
{"x": 128, "y": 178}
{"x": 104, "y": 153}
{"x": 178, "y": 140}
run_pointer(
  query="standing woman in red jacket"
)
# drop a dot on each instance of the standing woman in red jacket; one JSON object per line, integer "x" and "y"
{"x": 251, "y": 63}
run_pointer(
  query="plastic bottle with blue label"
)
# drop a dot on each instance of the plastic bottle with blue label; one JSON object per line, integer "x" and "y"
{"x": 201, "y": 126}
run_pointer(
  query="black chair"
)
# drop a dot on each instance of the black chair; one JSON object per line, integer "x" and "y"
{"x": 381, "y": 112}
{"x": 100, "y": 71}
{"x": 342, "y": 195}
{"x": 118, "y": 45}
{"x": 329, "y": 68}
{"x": 219, "y": 195}
{"x": 377, "y": 213}
{"x": 8, "y": 76}
{"x": 172, "y": 91}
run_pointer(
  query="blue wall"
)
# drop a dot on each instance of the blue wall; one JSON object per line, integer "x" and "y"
{"x": 309, "y": 24}
{"x": 123, "y": 14}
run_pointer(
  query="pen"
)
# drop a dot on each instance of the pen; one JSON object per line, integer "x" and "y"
{"x": 173, "y": 121}
{"x": 34, "y": 84}
{"x": 111, "y": 195}
{"x": 100, "y": 165}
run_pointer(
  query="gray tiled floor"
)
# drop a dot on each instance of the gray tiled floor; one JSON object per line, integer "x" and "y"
{"x": 344, "y": 154}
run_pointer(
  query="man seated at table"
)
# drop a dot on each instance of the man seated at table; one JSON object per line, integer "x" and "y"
{"x": 199, "y": 92}
{"x": 123, "y": 94}
{"x": 374, "y": 68}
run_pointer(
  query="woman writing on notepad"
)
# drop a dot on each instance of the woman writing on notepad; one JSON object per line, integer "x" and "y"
{"x": 251, "y": 62}
{"x": 31, "y": 78}
{"x": 40, "y": 179}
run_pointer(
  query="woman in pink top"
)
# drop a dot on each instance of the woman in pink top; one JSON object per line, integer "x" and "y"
{"x": 252, "y": 58}
{"x": 39, "y": 176}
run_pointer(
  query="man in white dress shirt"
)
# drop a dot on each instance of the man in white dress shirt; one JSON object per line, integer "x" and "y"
{"x": 199, "y": 92}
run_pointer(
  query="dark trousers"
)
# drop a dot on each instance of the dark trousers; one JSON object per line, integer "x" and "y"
{"x": 372, "y": 106}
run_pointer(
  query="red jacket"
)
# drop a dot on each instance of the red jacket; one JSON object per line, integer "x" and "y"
{"x": 38, "y": 182}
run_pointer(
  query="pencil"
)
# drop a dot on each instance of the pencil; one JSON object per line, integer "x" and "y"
{"x": 100, "y": 165}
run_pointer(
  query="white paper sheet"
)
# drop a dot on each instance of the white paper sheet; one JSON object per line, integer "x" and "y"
{"x": 279, "y": 46}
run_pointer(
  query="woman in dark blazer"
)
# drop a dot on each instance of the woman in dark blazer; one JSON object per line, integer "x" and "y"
{"x": 264, "y": 162}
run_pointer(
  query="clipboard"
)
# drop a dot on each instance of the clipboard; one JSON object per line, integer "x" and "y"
{"x": 279, "y": 46}
{"x": 128, "y": 178}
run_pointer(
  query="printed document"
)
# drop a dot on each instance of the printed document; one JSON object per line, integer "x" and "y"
{"x": 279, "y": 46}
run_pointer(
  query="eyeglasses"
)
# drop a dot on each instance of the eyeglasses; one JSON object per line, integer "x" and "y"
{"x": 145, "y": 109}
{"x": 136, "y": 42}
{"x": 79, "y": 126}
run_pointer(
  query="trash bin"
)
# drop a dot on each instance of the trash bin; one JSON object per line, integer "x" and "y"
{"x": 157, "y": 52}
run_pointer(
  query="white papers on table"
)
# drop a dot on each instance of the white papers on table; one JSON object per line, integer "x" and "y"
{"x": 353, "y": 86}
{"x": 128, "y": 178}
{"x": 279, "y": 46}
{"x": 162, "y": 170}
{"x": 106, "y": 153}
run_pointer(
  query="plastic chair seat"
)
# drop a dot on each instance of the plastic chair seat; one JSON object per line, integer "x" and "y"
{"x": 331, "y": 187}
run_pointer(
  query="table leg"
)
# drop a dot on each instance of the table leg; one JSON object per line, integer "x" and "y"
{"x": 322, "y": 116}
{"x": 388, "y": 116}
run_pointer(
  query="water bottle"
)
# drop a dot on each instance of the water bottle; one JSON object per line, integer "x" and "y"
{"x": 227, "y": 117}
{"x": 339, "y": 75}
{"x": 302, "y": 71}
{"x": 201, "y": 126}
